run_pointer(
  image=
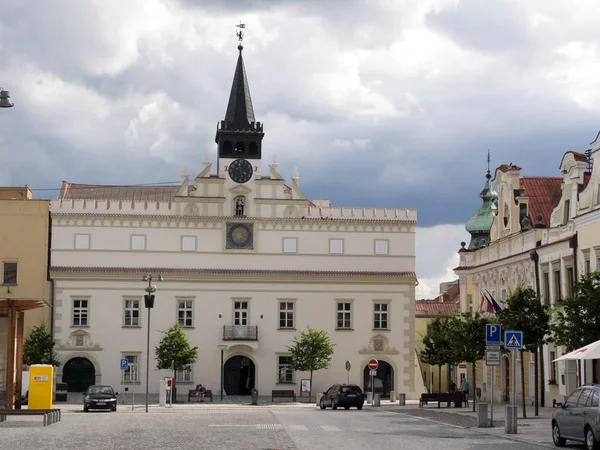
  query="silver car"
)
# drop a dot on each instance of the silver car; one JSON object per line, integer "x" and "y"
{"x": 578, "y": 419}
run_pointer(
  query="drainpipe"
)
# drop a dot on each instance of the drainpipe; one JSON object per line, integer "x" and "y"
{"x": 542, "y": 400}
{"x": 48, "y": 274}
{"x": 573, "y": 245}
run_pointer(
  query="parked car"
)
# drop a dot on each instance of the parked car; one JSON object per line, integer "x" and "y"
{"x": 578, "y": 419}
{"x": 345, "y": 395}
{"x": 100, "y": 397}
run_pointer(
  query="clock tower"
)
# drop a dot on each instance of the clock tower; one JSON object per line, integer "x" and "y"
{"x": 239, "y": 136}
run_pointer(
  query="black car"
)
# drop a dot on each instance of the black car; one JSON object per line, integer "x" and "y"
{"x": 345, "y": 395}
{"x": 100, "y": 397}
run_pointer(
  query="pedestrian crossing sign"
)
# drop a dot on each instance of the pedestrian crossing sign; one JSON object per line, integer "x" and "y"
{"x": 513, "y": 340}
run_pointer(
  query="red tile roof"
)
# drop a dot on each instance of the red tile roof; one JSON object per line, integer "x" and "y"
{"x": 72, "y": 191}
{"x": 186, "y": 271}
{"x": 430, "y": 308}
{"x": 544, "y": 194}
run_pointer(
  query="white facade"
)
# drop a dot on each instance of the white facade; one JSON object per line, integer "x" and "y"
{"x": 247, "y": 279}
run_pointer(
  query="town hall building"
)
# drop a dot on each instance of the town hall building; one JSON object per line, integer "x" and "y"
{"x": 247, "y": 262}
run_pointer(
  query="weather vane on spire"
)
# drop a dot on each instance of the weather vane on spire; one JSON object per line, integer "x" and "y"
{"x": 488, "y": 161}
{"x": 240, "y": 34}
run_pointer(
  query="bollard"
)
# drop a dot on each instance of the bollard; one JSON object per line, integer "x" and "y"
{"x": 401, "y": 399}
{"x": 482, "y": 415}
{"x": 254, "y": 396}
{"x": 377, "y": 401}
{"x": 510, "y": 419}
{"x": 319, "y": 396}
{"x": 392, "y": 396}
{"x": 370, "y": 397}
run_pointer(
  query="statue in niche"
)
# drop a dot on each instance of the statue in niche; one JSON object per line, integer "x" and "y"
{"x": 239, "y": 207}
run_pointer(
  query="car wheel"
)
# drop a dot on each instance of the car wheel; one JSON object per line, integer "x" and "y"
{"x": 590, "y": 439}
{"x": 556, "y": 438}
{"x": 114, "y": 409}
{"x": 86, "y": 409}
{"x": 333, "y": 404}
{"x": 359, "y": 407}
{"x": 322, "y": 404}
{"x": 346, "y": 407}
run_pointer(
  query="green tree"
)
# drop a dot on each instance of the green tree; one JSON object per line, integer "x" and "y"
{"x": 438, "y": 349}
{"x": 577, "y": 321}
{"x": 311, "y": 351}
{"x": 174, "y": 351}
{"x": 38, "y": 347}
{"x": 467, "y": 334}
{"x": 525, "y": 312}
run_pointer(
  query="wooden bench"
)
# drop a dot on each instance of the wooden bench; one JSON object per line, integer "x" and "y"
{"x": 283, "y": 393}
{"x": 50, "y": 416}
{"x": 192, "y": 394}
{"x": 458, "y": 398}
{"x": 425, "y": 398}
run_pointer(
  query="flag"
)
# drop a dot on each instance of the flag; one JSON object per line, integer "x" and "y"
{"x": 486, "y": 306}
{"x": 494, "y": 303}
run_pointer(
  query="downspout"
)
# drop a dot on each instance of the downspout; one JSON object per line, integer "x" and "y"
{"x": 540, "y": 352}
{"x": 573, "y": 245}
{"x": 48, "y": 274}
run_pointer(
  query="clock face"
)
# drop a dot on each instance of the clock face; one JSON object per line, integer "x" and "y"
{"x": 240, "y": 170}
{"x": 239, "y": 236}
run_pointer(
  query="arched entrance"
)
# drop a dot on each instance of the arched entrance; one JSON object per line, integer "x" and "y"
{"x": 383, "y": 381}
{"x": 240, "y": 375}
{"x": 79, "y": 374}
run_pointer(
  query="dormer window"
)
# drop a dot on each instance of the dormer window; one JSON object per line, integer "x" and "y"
{"x": 566, "y": 211}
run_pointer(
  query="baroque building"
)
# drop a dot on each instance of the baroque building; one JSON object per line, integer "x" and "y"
{"x": 248, "y": 261}
{"x": 533, "y": 242}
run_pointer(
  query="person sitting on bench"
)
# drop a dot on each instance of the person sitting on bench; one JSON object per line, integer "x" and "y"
{"x": 200, "y": 390}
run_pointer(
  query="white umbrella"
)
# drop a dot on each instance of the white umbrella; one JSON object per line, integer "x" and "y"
{"x": 591, "y": 351}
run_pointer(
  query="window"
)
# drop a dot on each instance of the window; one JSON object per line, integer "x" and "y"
{"x": 290, "y": 245}
{"x": 344, "y": 315}
{"x": 185, "y": 313}
{"x": 503, "y": 296}
{"x": 286, "y": 314}
{"x": 240, "y": 313}
{"x": 581, "y": 401}
{"x": 572, "y": 400}
{"x": 570, "y": 281}
{"x": 285, "y": 374}
{"x": 588, "y": 267}
{"x": 10, "y": 273}
{"x": 598, "y": 196}
{"x": 470, "y": 302}
{"x": 381, "y": 246}
{"x": 594, "y": 399}
{"x": 567, "y": 212}
{"x": 552, "y": 366}
{"x": 80, "y": 313}
{"x": 184, "y": 375}
{"x": 546, "y": 289}
{"x": 557, "y": 291}
{"x": 82, "y": 241}
{"x": 132, "y": 313}
{"x": 336, "y": 246}
{"x": 138, "y": 242}
{"x": 381, "y": 316}
{"x": 598, "y": 264}
{"x": 130, "y": 375}
{"x": 188, "y": 243}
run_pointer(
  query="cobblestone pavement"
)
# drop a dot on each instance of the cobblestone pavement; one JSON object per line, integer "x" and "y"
{"x": 291, "y": 426}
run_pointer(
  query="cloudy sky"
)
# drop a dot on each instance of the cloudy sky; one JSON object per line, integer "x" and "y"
{"x": 388, "y": 103}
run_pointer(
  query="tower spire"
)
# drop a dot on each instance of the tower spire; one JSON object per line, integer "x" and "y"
{"x": 488, "y": 176}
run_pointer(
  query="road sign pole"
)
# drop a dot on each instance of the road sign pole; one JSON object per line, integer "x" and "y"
{"x": 514, "y": 380}
{"x": 372, "y": 390}
{"x": 492, "y": 402}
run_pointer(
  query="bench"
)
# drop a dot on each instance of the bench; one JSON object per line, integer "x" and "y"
{"x": 283, "y": 393}
{"x": 192, "y": 394}
{"x": 458, "y": 398}
{"x": 50, "y": 416}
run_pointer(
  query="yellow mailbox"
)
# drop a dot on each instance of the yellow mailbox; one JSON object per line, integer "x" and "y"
{"x": 41, "y": 383}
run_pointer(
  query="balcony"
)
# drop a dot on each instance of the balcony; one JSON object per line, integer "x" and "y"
{"x": 240, "y": 332}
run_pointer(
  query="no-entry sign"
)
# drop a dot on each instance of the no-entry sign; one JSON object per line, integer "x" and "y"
{"x": 373, "y": 364}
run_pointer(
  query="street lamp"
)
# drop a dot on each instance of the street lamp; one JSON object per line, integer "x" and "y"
{"x": 5, "y": 101}
{"x": 222, "y": 347}
{"x": 149, "y": 303}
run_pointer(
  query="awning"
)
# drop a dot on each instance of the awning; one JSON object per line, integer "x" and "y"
{"x": 591, "y": 351}
{"x": 20, "y": 304}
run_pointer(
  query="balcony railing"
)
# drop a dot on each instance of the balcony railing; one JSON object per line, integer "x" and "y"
{"x": 240, "y": 332}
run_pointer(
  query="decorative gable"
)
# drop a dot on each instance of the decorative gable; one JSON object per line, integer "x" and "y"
{"x": 379, "y": 344}
{"x": 79, "y": 340}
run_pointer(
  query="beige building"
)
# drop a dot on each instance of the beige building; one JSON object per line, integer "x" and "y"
{"x": 25, "y": 289}
{"x": 248, "y": 261}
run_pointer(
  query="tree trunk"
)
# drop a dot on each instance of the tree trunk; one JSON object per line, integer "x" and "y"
{"x": 440, "y": 379}
{"x": 523, "y": 384}
{"x": 310, "y": 390}
{"x": 542, "y": 377}
{"x": 474, "y": 383}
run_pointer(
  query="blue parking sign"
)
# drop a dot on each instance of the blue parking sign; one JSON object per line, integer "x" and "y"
{"x": 124, "y": 363}
{"x": 493, "y": 334}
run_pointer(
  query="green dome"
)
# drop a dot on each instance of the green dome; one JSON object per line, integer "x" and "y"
{"x": 480, "y": 223}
